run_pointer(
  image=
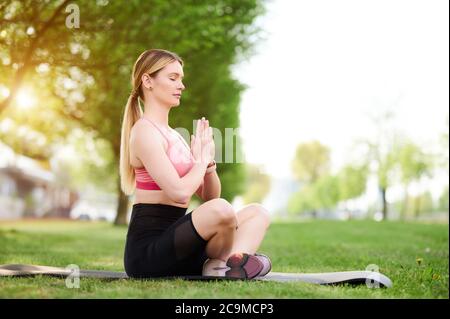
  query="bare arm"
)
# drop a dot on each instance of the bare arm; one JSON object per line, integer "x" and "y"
{"x": 150, "y": 150}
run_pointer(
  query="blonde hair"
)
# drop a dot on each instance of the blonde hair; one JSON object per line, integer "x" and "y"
{"x": 150, "y": 62}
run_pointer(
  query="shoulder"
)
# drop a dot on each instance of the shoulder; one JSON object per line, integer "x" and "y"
{"x": 143, "y": 133}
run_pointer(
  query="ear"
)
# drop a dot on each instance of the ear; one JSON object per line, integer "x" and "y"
{"x": 147, "y": 81}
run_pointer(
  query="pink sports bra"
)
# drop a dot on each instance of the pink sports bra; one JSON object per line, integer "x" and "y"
{"x": 178, "y": 153}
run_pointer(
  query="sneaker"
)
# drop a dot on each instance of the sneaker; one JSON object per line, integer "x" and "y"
{"x": 267, "y": 264}
{"x": 214, "y": 268}
{"x": 243, "y": 266}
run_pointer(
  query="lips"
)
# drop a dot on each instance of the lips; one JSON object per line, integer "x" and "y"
{"x": 177, "y": 95}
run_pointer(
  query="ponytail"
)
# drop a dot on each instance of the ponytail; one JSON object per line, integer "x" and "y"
{"x": 131, "y": 115}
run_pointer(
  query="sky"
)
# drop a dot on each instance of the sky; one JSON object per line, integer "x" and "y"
{"x": 324, "y": 66}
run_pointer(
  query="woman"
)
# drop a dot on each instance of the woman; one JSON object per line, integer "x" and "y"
{"x": 156, "y": 163}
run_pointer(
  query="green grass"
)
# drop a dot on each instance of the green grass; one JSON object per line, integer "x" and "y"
{"x": 316, "y": 246}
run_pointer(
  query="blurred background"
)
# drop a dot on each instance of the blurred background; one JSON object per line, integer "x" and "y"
{"x": 342, "y": 106}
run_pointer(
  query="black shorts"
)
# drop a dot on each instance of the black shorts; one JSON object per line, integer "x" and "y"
{"x": 162, "y": 241}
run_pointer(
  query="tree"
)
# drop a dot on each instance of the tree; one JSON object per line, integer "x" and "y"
{"x": 257, "y": 184}
{"x": 326, "y": 192}
{"x": 444, "y": 199}
{"x": 98, "y": 57}
{"x": 28, "y": 27}
{"x": 352, "y": 181}
{"x": 381, "y": 153}
{"x": 414, "y": 164}
{"x": 424, "y": 204}
{"x": 311, "y": 161}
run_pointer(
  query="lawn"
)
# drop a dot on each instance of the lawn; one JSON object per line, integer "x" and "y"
{"x": 413, "y": 255}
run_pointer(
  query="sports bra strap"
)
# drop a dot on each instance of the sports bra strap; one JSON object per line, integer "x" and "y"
{"x": 168, "y": 140}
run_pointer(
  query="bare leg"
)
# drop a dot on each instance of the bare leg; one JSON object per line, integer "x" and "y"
{"x": 253, "y": 222}
{"x": 216, "y": 222}
{"x": 220, "y": 245}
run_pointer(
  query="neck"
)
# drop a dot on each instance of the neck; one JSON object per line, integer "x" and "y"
{"x": 157, "y": 113}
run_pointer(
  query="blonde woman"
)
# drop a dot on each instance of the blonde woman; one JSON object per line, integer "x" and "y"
{"x": 164, "y": 172}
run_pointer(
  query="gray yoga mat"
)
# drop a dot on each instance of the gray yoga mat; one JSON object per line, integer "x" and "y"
{"x": 369, "y": 278}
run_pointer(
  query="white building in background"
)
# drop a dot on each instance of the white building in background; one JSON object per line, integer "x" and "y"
{"x": 28, "y": 189}
{"x": 281, "y": 189}
{"x": 93, "y": 205}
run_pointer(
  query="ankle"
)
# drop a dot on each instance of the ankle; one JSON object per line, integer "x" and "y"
{"x": 214, "y": 267}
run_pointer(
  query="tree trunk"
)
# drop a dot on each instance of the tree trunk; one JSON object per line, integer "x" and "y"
{"x": 405, "y": 204}
{"x": 417, "y": 207}
{"x": 122, "y": 207}
{"x": 385, "y": 208}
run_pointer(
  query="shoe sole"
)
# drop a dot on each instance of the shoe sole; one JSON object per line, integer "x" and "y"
{"x": 243, "y": 266}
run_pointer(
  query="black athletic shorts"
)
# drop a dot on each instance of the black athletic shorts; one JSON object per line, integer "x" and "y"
{"x": 162, "y": 241}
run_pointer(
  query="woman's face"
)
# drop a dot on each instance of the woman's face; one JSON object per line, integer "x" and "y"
{"x": 167, "y": 86}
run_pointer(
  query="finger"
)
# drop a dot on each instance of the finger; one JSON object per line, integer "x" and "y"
{"x": 202, "y": 125}
{"x": 197, "y": 133}
{"x": 205, "y": 133}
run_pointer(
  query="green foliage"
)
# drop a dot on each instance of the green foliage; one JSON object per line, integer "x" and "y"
{"x": 83, "y": 75}
{"x": 327, "y": 191}
{"x": 387, "y": 164}
{"x": 414, "y": 162}
{"x": 257, "y": 184}
{"x": 426, "y": 205}
{"x": 352, "y": 181}
{"x": 302, "y": 201}
{"x": 443, "y": 200}
{"x": 86, "y": 160}
{"x": 311, "y": 161}
{"x": 443, "y": 159}
{"x": 414, "y": 206}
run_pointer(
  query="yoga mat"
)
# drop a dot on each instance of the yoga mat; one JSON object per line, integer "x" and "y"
{"x": 372, "y": 279}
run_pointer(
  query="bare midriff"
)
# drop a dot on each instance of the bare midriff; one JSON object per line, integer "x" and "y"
{"x": 153, "y": 196}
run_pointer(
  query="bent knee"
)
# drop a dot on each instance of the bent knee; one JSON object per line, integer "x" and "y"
{"x": 261, "y": 212}
{"x": 224, "y": 211}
